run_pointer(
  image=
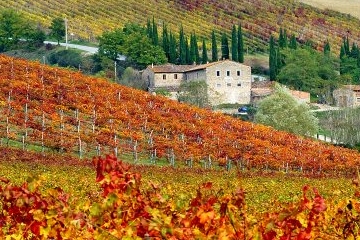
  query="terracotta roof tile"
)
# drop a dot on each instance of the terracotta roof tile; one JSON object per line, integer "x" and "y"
{"x": 170, "y": 68}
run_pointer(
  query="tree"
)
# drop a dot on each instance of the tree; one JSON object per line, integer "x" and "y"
{"x": 11, "y": 29}
{"x": 224, "y": 47}
{"x": 133, "y": 42}
{"x": 192, "y": 49}
{"x": 214, "y": 55}
{"x": 197, "y": 54}
{"x": 166, "y": 42}
{"x": 281, "y": 111}
{"x": 343, "y": 125}
{"x": 240, "y": 45}
{"x": 308, "y": 70}
{"x": 194, "y": 93}
{"x": 293, "y": 42}
{"x": 132, "y": 78}
{"x": 272, "y": 59}
{"x": 57, "y": 29}
{"x": 172, "y": 49}
{"x": 182, "y": 46}
{"x": 234, "y": 44}
{"x": 204, "y": 58}
{"x": 282, "y": 38}
{"x": 155, "y": 34}
{"x": 327, "y": 48}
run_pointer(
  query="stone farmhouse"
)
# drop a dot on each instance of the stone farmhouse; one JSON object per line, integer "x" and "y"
{"x": 228, "y": 81}
{"x": 347, "y": 96}
{"x": 262, "y": 89}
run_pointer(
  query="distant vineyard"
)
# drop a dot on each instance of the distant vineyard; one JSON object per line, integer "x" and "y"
{"x": 51, "y": 109}
{"x": 260, "y": 18}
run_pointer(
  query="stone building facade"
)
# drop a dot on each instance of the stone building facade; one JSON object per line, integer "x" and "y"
{"x": 347, "y": 96}
{"x": 228, "y": 81}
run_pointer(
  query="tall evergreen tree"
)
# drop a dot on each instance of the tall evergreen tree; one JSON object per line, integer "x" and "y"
{"x": 354, "y": 51}
{"x": 149, "y": 29}
{"x": 327, "y": 48}
{"x": 293, "y": 42}
{"x": 272, "y": 59}
{"x": 214, "y": 50}
{"x": 346, "y": 46}
{"x": 192, "y": 49}
{"x": 204, "y": 52}
{"x": 197, "y": 54}
{"x": 234, "y": 44}
{"x": 224, "y": 47}
{"x": 172, "y": 49}
{"x": 240, "y": 45}
{"x": 342, "y": 52}
{"x": 166, "y": 41}
{"x": 282, "y": 38}
{"x": 155, "y": 36}
{"x": 187, "y": 52}
{"x": 182, "y": 47}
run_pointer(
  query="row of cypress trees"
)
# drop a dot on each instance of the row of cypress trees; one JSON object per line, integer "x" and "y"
{"x": 185, "y": 50}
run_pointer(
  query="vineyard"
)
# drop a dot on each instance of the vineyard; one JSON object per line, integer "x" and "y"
{"x": 48, "y": 109}
{"x": 259, "y": 18}
{"x": 125, "y": 206}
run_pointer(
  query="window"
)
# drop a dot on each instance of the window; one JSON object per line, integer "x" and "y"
{"x": 164, "y": 76}
{"x": 228, "y": 73}
{"x": 228, "y": 84}
{"x": 238, "y": 73}
{"x": 239, "y": 84}
{"x": 175, "y": 76}
{"x": 218, "y": 85}
{"x": 218, "y": 73}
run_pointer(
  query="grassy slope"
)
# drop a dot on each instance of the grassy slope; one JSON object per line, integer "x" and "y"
{"x": 351, "y": 7}
{"x": 260, "y": 18}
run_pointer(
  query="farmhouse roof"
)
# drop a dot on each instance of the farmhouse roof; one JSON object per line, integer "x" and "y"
{"x": 352, "y": 87}
{"x": 170, "y": 68}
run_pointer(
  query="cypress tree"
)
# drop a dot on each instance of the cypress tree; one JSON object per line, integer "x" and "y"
{"x": 327, "y": 48}
{"x": 172, "y": 49}
{"x": 187, "y": 52}
{"x": 182, "y": 46}
{"x": 214, "y": 47}
{"x": 347, "y": 46}
{"x": 204, "y": 52}
{"x": 166, "y": 41}
{"x": 192, "y": 49}
{"x": 234, "y": 44}
{"x": 155, "y": 36}
{"x": 282, "y": 38}
{"x": 240, "y": 45}
{"x": 224, "y": 47}
{"x": 354, "y": 51}
{"x": 272, "y": 59}
{"x": 149, "y": 29}
{"x": 197, "y": 54}
{"x": 293, "y": 42}
{"x": 279, "y": 61}
{"x": 342, "y": 52}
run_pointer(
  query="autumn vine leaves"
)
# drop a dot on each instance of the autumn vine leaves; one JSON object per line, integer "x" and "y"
{"x": 127, "y": 209}
{"x": 66, "y": 111}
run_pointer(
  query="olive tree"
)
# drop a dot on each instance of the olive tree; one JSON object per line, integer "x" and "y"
{"x": 283, "y": 112}
{"x": 194, "y": 93}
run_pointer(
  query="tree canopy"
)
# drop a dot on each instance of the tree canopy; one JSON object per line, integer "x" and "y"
{"x": 133, "y": 42}
{"x": 194, "y": 93}
{"x": 57, "y": 29}
{"x": 283, "y": 112}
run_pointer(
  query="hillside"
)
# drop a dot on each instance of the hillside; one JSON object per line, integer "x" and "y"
{"x": 50, "y": 109}
{"x": 259, "y": 18}
{"x": 349, "y": 7}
